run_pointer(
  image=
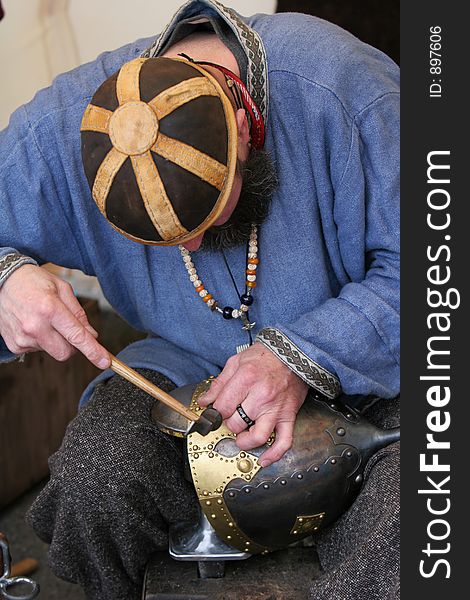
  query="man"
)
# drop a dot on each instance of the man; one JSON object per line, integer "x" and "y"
{"x": 325, "y": 306}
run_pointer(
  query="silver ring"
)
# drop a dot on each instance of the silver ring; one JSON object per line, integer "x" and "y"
{"x": 244, "y": 416}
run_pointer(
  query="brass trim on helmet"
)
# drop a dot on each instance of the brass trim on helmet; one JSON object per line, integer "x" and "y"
{"x": 212, "y": 472}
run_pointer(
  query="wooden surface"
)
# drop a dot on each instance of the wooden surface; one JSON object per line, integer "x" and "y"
{"x": 282, "y": 575}
{"x": 38, "y": 398}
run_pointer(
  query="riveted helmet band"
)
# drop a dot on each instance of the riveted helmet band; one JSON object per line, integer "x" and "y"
{"x": 159, "y": 149}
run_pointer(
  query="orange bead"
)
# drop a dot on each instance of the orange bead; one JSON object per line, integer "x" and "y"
{"x": 207, "y": 298}
{"x": 248, "y": 272}
{"x": 200, "y": 288}
{"x": 251, "y": 284}
{"x": 253, "y": 261}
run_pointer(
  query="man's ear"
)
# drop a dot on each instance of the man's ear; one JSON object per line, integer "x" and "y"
{"x": 244, "y": 140}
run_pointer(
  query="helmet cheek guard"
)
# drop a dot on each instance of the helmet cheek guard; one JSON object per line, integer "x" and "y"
{"x": 159, "y": 150}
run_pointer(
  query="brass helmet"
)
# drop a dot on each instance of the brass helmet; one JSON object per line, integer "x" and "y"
{"x": 159, "y": 149}
{"x": 257, "y": 510}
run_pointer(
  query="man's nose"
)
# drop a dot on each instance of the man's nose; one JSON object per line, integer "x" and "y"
{"x": 193, "y": 244}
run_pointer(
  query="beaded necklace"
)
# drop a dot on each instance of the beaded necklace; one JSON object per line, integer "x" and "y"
{"x": 246, "y": 299}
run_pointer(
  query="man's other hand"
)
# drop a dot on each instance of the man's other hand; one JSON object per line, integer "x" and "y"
{"x": 39, "y": 311}
{"x": 270, "y": 394}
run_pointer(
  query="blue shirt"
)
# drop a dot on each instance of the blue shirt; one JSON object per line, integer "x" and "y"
{"x": 328, "y": 277}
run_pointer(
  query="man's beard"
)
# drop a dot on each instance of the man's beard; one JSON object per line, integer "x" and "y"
{"x": 259, "y": 180}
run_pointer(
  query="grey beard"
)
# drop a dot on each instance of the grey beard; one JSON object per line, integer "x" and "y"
{"x": 259, "y": 180}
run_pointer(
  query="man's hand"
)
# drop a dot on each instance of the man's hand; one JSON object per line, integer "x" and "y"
{"x": 38, "y": 311}
{"x": 270, "y": 394}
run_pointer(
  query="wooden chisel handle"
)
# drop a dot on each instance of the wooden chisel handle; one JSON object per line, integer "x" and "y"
{"x": 144, "y": 384}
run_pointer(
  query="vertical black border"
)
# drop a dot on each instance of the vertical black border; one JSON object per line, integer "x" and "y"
{"x": 434, "y": 124}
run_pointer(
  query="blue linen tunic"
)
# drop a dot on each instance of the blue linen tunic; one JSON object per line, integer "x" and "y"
{"x": 329, "y": 251}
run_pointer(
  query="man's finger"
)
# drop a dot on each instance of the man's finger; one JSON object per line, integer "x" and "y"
{"x": 56, "y": 346}
{"x": 66, "y": 294}
{"x": 257, "y": 435}
{"x": 70, "y": 328}
{"x": 219, "y": 382}
{"x": 282, "y": 443}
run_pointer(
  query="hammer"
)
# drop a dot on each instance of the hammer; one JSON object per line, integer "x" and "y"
{"x": 209, "y": 420}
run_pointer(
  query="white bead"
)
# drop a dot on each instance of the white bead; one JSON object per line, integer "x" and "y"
{"x": 211, "y": 302}
{"x": 252, "y": 255}
{"x": 197, "y": 282}
{"x": 186, "y": 258}
{"x": 251, "y": 277}
{"x": 203, "y": 293}
{"x": 192, "y": 271}
{"x": 244, "y": 308}
{"x": 183, "y": 251}
{"x": 253, "y": 248}
{"x": 193, "y": 278}
{"x": 252, "y": 267}
{"x": 236, "y": 313}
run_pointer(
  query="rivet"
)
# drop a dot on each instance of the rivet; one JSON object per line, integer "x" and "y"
{"x": 266, "y": 486}
{"x": 245, "y": 465}
{"x": 301, "y": 520}
{"x": 219, "y": 490}
{"x": 283, "y": 482}
{"x": 242, "y": 454}
{"x": 322, "y": 516}
{"x": 349, "y": 453}
{"x": 229, "y": 537}
{"x": 230, "y": 524}
{"x": 196, "y": 455}
{"x": 333, "y": 406}
{"x": 248, "y": 477}
{"x": 247, "y": 543}
{"x": 195, "y": 447}
{"x": 315, "y": 528}
{"x": 316, "y": 469}
{"x": 205, "y": 493}
{"x": 295, "y": 532}
{"x": 341, "y": 431}
{"x": 210, "y": 446}
{"x": 219, "y": 501}
{"x": 211, "y": 455}
{"x": 208, "y": 502}
{"x": 214, "y": 516}
{"x": 300, "y": 476}
{"x": 358, "y": 479}
{"x": 333, "y": 461}
{"x": 247, "y": 490}
{"x": 231, "y": 494}
{"x": 349, "y": 415}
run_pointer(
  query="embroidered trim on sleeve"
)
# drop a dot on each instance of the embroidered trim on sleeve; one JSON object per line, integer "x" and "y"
{"x": 10, "y": 262}
{"x": 316, "y": 376}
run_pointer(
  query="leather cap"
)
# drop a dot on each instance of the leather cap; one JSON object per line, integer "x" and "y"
{"x": 159, "y": 149}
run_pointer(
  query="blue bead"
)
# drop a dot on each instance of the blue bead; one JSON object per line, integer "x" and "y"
{"x": 227, "y": 314}
{"x": 246, "y": 299}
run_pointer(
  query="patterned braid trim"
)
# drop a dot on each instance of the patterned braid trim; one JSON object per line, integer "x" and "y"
{"x": 10, "y": 262}
{"x": 250, "y": 41}
{"x": 316, "y": 376}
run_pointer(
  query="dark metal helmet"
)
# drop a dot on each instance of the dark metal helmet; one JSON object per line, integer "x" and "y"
{"x": 257, "y": 509}
{"x": 159, "y": 149}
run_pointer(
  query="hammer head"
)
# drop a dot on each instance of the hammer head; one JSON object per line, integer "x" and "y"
{"x": 209, "y": 420}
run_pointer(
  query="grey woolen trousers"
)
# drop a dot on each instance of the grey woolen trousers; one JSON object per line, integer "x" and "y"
{"x": 117, "y": 483}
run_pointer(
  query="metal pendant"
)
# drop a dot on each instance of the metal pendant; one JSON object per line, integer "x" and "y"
{"x": 247, "y": 326}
